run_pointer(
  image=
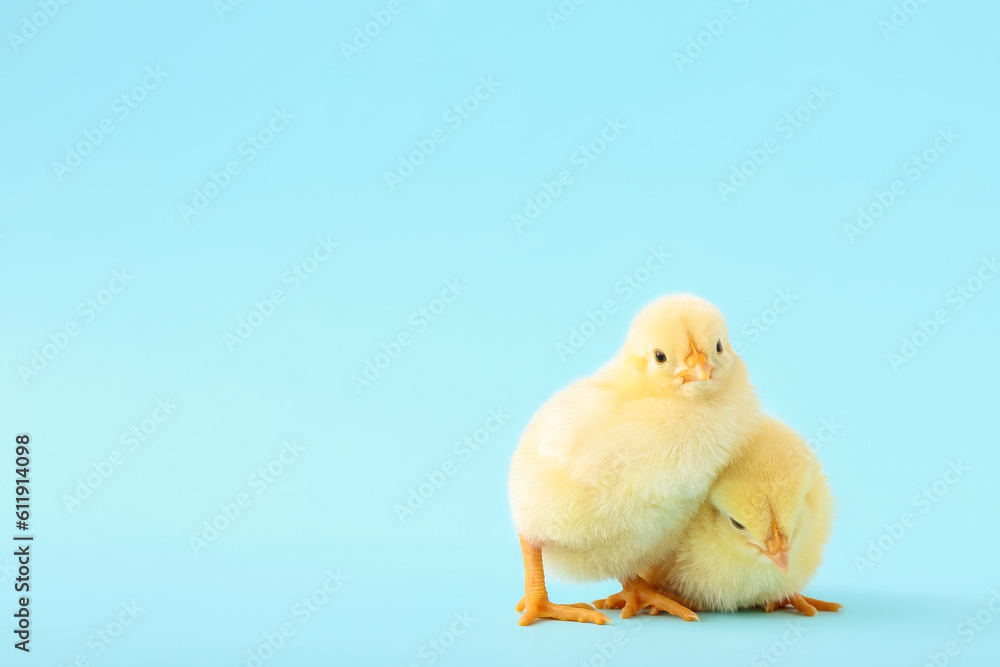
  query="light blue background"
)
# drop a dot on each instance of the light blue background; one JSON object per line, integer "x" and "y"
{"x": 496, "y": 345}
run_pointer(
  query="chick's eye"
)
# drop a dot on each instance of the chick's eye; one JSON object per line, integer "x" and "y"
{"x": 660, "y": 357}
{"x": 718, "y": 346}
{"x": 736, "y": 524}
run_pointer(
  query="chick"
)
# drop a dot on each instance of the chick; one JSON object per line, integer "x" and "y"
{"x": 609, "y": 471}
{"x": 759, "y": 536}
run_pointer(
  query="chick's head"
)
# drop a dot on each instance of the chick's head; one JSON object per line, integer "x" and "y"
{"x": 758, "y": 499}
{"x": 679, "y": 345}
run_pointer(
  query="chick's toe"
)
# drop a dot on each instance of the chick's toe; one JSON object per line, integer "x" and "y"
{"x": 637, "y": 594}
{"x": 803, "y": 605}
{"x": 823, "y": 606}
{"x": 581, "y": 612}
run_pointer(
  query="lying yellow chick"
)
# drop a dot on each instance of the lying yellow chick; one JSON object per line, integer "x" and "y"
{"x": 610, "y": 470}
{"x": 759, "y": 537}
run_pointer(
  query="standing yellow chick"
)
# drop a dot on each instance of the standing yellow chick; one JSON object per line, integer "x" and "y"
{"x": 759, "y": 536}
{"x": 610, "y": 470}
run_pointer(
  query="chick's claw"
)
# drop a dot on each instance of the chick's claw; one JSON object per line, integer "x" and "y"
{"x": 637, "y": 595}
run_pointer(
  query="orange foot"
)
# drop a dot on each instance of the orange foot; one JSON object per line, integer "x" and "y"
{"x": 803, "y": 605}
{"x": 637, "y": 594}
{"x": 535, "y": 603}
{"x": 540, "y": 607}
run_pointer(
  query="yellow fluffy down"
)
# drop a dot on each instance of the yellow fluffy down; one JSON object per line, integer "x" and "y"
{"x": 611, "y": 469}
{"x": 777, "y": 480}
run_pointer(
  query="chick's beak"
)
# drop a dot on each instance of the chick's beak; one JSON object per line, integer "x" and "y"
{"x": 777, "y": 550}
{"x": 780, "y": 559}
{"x": 698, "y": 367}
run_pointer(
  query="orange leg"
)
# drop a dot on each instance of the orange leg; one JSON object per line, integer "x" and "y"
{"x": 535, "y": 603}
{"x": 803, "y": 605}
{"x": 637, "y": 594}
